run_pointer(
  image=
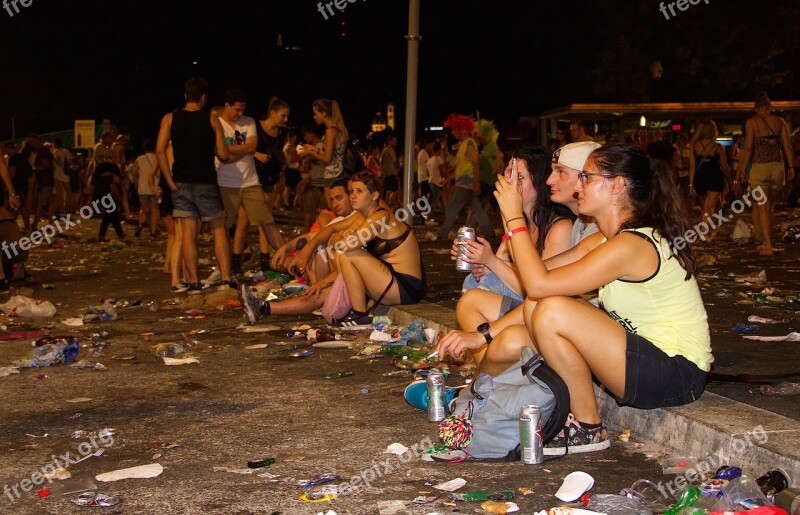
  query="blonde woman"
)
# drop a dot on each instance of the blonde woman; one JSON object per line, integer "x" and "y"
{"x": 327, "y": 113}
{"x": 766, "y": 135}
{"x": 708, "y": 169}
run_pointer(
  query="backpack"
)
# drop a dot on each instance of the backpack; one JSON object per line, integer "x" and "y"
{"x": 494, "y": 404}
{"x": 352, "y": 162}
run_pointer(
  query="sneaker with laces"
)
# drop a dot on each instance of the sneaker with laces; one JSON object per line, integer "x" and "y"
{"x": 196, "y": 288}
{"x": 578, "y": 439}
{"x": 179, "y": 288}
{"x": 251, "y": 303}
{"x": 214, "y": 279}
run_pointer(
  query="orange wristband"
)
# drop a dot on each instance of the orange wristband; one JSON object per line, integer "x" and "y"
{"x": 512, "y": 232}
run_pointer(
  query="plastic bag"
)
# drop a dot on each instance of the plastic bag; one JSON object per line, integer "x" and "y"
{"x": 22, "y": 306}
{"x": 741, "y": 232}
{"x": 337, "y": 303}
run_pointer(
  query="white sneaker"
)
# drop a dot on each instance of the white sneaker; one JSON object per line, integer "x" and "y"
{"x": 214, "y": 279}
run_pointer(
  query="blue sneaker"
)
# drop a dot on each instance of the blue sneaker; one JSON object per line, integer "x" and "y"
{"x": 416, "y": 394}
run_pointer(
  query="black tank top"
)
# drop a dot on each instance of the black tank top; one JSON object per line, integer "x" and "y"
{"x": 194, "y": 146}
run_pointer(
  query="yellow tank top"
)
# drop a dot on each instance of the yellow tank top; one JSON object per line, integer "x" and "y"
{"x": 463, "y": 170}
{"x": 665, "y": 309}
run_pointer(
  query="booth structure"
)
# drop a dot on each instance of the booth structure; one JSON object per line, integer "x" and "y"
{"x": 619, "y": 122}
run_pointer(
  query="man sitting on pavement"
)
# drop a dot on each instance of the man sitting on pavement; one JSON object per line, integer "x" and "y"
{"x": 320, "y": 269}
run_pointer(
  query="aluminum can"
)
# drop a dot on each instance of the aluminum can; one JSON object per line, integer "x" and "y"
{"x": 530, "y": 435}
{"x": 464, "y": 234}
{"x": 436, "y": 402}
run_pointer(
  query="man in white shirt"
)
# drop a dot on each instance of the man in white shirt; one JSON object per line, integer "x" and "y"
{"x": 238, "y": 180}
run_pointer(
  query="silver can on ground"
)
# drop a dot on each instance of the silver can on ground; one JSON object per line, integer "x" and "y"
{"x": 530, "y": 435}
{"x": 436, "y": 401}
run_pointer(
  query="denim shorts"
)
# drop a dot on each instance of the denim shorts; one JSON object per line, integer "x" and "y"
{"x": 492, "y": 283}
{"x": 201, "y": 201}
{"x": 655, "y": 380}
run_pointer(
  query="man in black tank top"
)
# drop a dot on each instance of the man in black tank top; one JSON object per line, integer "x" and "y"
{"x": 196, "y": 138}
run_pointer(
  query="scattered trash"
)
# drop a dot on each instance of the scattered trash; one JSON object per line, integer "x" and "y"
{"x": 506, "y": 495}
{"x": 50, "y": 351}
{"x": 179, "y": 361}
{"x": 624, "y": 436}
{"x": 257, "y": 346}
{"x": 762, "y": 320}
{"x": 499, "y": 507}
{"x": 333, "y": 344}
{"x": 678, "y": 465}
{"x": 86, "y": 364}
{"x": 104, "y": 433}
{"x": 615, "y": 505}
{"x": 261, "y": 463}
{"x": 234, "y": 471}
{"x": 140, "y": 472}
{"x": 317, "y": 479}
{"x": 7, "y": 371}
{"x": 21, "y": 306}
{"x": 325, "y": 494}
{"x": 745, "y": 329}
{"x": 754, "y": 278}
{"x": 574, "y": 485}
{"x": 73, "y": 322}
{"x": 337, "y": 375}
{"x": 18, "y": 335}
{"x": 791, "y": 337}
{"x": 97, "y": 499}
{"x": 80, "y": 399}
{"x": 302, "y": 354}
{"x": 38, "y": 436}
{"x": 452, "y": 485}
{"x": 785, "y": 389}
{"x": 396, "y": 448}
{"x": 59, "y": 473}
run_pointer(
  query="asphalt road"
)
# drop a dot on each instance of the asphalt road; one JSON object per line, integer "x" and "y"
{"x": 240, "y": 404}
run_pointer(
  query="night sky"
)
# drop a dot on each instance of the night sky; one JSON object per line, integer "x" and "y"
{"x": 128, "y": 60}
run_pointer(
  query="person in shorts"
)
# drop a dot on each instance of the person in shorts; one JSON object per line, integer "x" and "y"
{"x": 648, "y": 343}
{"x": 196, "y": 137}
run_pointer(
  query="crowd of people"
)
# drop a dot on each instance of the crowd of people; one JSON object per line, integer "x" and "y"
{"x": 576, "y": 219}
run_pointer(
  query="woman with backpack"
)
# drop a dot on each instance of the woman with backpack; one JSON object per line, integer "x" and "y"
{"x": 648, "y": 344}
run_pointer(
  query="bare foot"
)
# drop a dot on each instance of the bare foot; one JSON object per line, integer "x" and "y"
{"x": 760, "y": 247}
{"x": 766, "y": 252}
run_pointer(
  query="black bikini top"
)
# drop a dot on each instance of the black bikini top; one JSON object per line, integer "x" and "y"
{"x": 380, "y": 246}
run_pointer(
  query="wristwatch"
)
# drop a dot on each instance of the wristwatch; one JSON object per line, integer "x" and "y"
{"x": 484, "y": 330}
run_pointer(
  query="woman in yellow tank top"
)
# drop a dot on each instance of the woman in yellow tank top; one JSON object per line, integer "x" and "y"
{"x": 648, "y": 343}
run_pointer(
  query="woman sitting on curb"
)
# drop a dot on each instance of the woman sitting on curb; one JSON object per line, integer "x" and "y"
{"x": 549, "y": 226}
{"x": 649, "y": 343}
{"x": 377, "y": 255}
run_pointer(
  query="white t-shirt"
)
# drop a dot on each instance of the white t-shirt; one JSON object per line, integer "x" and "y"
{"x": 422, "y": 165}
{"x": 145, "y": 163}
{"x": 434, "y": 164}
{"x": 242, "y": 172}
{"x": 60, "y": 156}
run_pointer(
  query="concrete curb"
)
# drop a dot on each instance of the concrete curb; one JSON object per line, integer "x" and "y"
{"x": 714, "y": 429}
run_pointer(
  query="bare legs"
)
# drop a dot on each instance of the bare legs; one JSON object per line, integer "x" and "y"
{"x": 762, "y": 221}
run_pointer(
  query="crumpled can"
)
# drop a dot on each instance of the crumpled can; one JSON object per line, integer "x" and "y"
{"x": 97, "y": 499}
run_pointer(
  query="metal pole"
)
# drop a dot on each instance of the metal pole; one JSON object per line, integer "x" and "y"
{"x": 413, "y": 38}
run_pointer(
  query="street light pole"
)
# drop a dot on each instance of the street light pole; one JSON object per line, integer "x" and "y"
{"x": 413, "y": 38}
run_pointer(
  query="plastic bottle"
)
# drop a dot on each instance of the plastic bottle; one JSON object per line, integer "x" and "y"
{"x": 784, "y": 389}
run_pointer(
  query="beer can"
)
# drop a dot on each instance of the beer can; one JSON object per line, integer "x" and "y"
{"x": 464, "y": 234}
{"x": 530, "y": 435}
{"x": 436, "y": 397}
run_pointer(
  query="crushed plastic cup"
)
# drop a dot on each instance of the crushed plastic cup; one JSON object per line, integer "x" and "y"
{"x": 648, "y": 494}
{"x": 744, "y": 491}
{"x": 574, "y": 485}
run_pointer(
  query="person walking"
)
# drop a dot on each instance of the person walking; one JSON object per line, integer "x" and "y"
{"x": 467, "y": 177}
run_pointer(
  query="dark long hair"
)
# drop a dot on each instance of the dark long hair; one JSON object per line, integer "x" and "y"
{"x": 544, "y": 211}
{"x": 654, "y": 196}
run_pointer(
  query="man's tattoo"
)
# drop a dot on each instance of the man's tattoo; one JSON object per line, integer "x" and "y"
{"x": 300, "y": 244}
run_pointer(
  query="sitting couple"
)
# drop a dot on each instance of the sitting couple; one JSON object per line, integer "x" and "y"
{"x": 376, "y": 254}
{"x": 648, "y": 343}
